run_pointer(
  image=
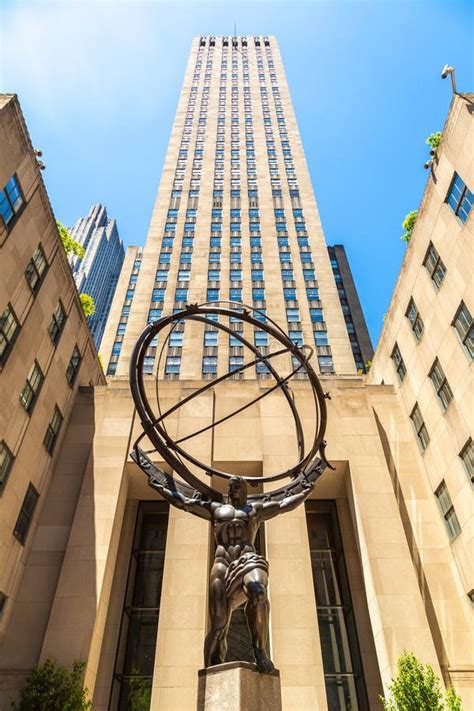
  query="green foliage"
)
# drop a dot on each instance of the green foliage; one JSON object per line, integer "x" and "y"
{"x": 368, "y": 366}
{"x": 101, "y": 360}
{"x": 433, "y": 140}
{"x": 69, "y": 243}
{"x": 453, "y": 701}
{"x": 88, "y": 305}
{"x": 139, "y": 694}
{"x": 408, "y": 225}
{"x": 415, "y": 687}
{"x": 54, "y": 688}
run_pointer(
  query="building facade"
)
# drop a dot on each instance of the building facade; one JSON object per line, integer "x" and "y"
{"x": 373, "y": 574}
{"x": 426, "y": 350}
{"x": 46, "y": 355}
{"x": 98, "y": 271}
{"x": 354, "y": 316}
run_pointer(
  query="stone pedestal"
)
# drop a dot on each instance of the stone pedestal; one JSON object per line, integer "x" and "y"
{"x": 238, "y": 686}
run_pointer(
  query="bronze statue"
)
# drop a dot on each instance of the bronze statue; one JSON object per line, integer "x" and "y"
{"x": 239, "y": 575}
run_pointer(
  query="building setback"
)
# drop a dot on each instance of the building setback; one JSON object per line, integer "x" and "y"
{"x": 98, "y": 271}
{"x": 354, "y": 316}
{"x": 374, "y": 568}
{"x": 46, "y": 356}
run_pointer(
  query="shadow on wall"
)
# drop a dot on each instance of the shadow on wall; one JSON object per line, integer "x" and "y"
{"x": 414, "y": 552}
{"x": 32, "y": 611}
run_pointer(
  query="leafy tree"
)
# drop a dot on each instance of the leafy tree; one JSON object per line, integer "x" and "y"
{"x": 88, "y": 305}
{"x": 453, "y": 701}
{"x": 408, "y": 225}
{"x": 415, "y": 687}
{"x": 71, "y": 246}
{"x": 433, "y": 140}
{"x": 54, "y": 688}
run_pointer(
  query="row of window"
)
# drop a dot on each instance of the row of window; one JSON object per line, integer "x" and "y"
{"x": 462, "y": 323}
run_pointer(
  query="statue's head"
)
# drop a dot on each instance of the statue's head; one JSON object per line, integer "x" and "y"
{"x": 237, "y": 491}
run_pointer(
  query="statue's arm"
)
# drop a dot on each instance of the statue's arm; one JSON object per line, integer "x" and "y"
{"x": 288, "y": 503}
{"x": 199, "y": 507}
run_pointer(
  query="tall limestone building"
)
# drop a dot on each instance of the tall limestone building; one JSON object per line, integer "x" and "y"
{"x": 377, "y": 563}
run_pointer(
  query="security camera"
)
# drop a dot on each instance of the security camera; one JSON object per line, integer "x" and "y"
{"x": 433, "y": 152}
{"x": 41, "y": 165}
{"x": 447, "y": 69}
{"x": 428, "y": 164}
{"x": 37, "y": 152}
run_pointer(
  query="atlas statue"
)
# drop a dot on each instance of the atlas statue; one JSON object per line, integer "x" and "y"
{"x": 239, "y": 574}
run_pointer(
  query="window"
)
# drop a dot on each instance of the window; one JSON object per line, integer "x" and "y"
{"x": 153, "y": 315}
{"x": 26, "y": 514}
{"x": 6, "y": 461}
{"x": 309, "y": 275}
{"x": 399, "y": 363}
{"x": 441, "y": 385}
{"x": 464, "y": 326}
{"x": 466, "y": 454}
{"x": 260, "y": 339}
{"x": 211, "y": 339}
{"x": 36, "y": 269}
{"x": 181, "y": 295}
{"x": 183, "y": 275}
{"x": 317, "y": 315}
{"x": 57, "y": 323}
{"x": 10, "y": 199}
{"x": 176, "y": 339}
{"x": 460, "y": 198}
{"x": 287, "y": 274}
{"x": 447, "y": 509}
{"x": 32, "y": 387}
{"x": 415, "y": 320}
{"x": 289, "y": 294}
{"x": 321, "y": 338}
{"x": 209, "y": 365}
{"x": 235, "y": 274}
{"x": 235, "y": 362}
{"x": 74, "y": 365}
{"x": 296, "y": 337}
{"x": 53, "y": 430}
{"x": 326, "y": 364}
{"x": 258, "y": 294}
{"x": 420, "y": 427}
{"x": 257, "y": 275}
{"x": 173, "y": 364}
{"x": 235, "y": 294}
{"x": 434, "y": 265}
{"x": 129, "y": 294}
{"x": 121, "y": 329}
{"x": 312, "y": 294}
{"x": 9, "y": 329}
{"x": 213, "y": 275}
{"x": 162, "y": 274}
{"x": 213, "y": 295}
{"x": 116, "y": 348}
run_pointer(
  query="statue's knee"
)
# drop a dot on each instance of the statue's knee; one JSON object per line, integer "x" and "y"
{"x": 256, "y": 592}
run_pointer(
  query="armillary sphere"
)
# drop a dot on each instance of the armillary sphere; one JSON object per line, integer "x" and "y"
{"x": 308, "y": 467}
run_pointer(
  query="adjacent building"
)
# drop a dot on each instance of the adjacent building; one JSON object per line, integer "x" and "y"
{"x": 426, "y": 349}
{"x": 351, "y": 307}
{"x": 98, "y": 271}
{"x": 375, "y": 569}
{"x": 47, "y": 356}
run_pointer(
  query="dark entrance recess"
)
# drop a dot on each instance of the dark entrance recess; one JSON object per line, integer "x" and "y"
{"x": 345, "y": 685}
{"x": 139, "y": 626}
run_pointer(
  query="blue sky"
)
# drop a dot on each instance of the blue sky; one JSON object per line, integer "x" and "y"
{"x": 99, "y": 82}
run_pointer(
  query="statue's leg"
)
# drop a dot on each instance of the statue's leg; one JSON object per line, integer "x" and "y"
{"x": 215, "y": 646}
{"x": 257, "y": 611}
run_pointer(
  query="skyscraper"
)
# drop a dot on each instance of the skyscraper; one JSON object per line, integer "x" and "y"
{"x": 98, "y": 271}
{"x": 351, "y": 308}
{"x": 235, "y": 219}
